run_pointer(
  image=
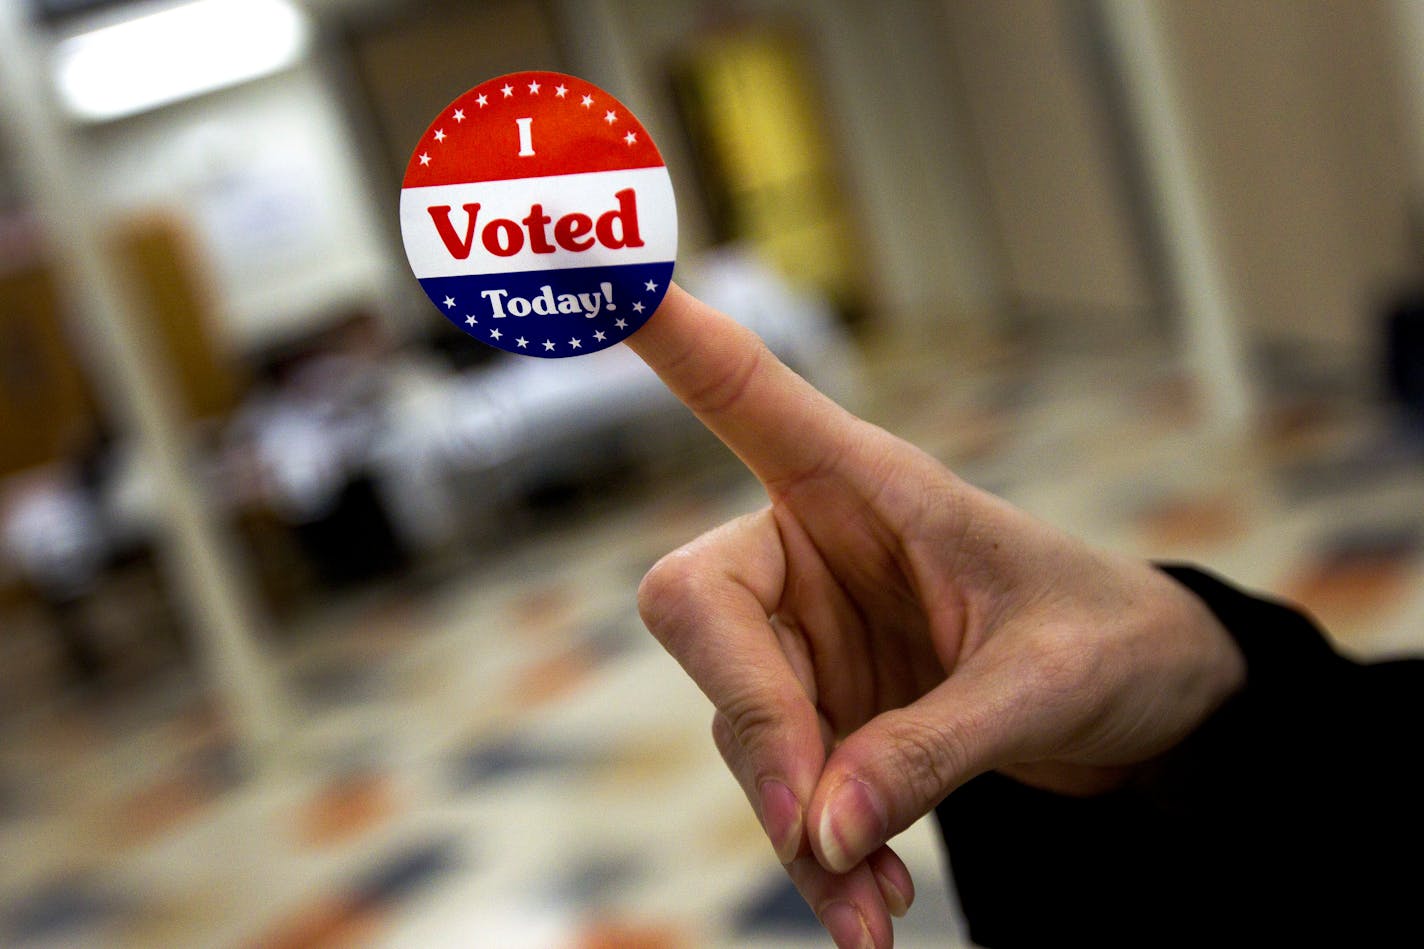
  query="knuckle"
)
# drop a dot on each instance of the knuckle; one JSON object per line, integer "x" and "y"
{"x": 744, "y": 732}
{"x": 668, "y": 593}
{"x": 722, "y": 735}
{"x": 1068, "y": 683}
{"x": 750, "y": 720}
{"x": 931, "y": 758}
{"x": 724, "y": 389}
{"x": 1065, "y": 666}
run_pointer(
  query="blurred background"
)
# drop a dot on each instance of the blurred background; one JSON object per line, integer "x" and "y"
{"x": 316, "y": 617}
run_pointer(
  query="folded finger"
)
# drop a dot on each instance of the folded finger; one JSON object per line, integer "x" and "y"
{"x": 710, "y": 605}
{"x": 855, "y": 907}
{"x": 849, "y": 905}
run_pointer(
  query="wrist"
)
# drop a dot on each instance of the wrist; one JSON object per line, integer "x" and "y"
{"x": 1284, "y": 661}
{"x": 1220, "y": 663}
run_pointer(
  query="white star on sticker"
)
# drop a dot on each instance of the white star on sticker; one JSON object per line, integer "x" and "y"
{"x": 599, "y": 335}
{"x": 495, "y": 334}
{"x": 424, "y": 158}
{"x": 637, "y": 308}
{"x": 586, "y": 101}
{"x": 508, "y": 90}
{"x": 610, "y": 116}
{"x": 522, "y": 342}
{"x": 652, "y": 287}
{"x": 459, "y": 115}
{"x": 561, "y": 90}
{"x": 621, "y": 323}
{"x": 470, "y": 320}
{"x": 534, "y": 87}
{"x": 574, "y": 343}
{"x": 440, "y": 135}
{"x": 631, "y": 137}
{"x": 449, "y": 302}
{"x": 482, "y": 100}
{"x": 548, "y": 346}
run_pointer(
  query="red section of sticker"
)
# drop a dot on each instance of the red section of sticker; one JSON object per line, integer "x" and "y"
{"x": 526, "y": 125}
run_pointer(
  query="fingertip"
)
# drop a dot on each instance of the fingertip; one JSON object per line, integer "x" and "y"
{"x": 849, "y": 905}
{"x": 846, "y": 926}
{"x": 781, "y": 816}
{"x": 897, "y": 887}
{"x": 853, "y": 823}
{"x": 669, "y": 333}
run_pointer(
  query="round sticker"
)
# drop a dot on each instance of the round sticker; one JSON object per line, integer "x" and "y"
{"x": 539, "y": 217}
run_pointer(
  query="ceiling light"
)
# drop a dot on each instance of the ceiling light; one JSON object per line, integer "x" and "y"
{"x": 176, "y": 53}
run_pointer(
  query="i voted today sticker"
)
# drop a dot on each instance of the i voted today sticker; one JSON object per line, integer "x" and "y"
{"x": 539, "y": 217}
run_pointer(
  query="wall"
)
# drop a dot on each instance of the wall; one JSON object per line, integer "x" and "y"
{"x": 895, "y": 99}
{"x": 890, "y": 106}
{"x": 1054, "y": 184}
{"x": 1299, "y": 123}
{"x": 267, "y": 178}
{"x": 1295, "y": 113}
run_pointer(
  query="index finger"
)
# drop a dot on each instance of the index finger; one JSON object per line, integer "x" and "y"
{"x": 776, "y": 422}
{"x": 710, "y": 605}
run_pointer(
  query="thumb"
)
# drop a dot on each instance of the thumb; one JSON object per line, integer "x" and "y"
{"x": 894, "y": 769}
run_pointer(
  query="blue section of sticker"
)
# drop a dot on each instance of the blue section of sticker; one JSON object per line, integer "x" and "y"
{"x": 552, "y": 314}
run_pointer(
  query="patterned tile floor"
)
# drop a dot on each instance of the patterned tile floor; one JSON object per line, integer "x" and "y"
{"x": 506, "y": 759}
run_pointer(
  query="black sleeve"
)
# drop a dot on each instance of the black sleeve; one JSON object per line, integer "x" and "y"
{"x": 1292, "y": 813}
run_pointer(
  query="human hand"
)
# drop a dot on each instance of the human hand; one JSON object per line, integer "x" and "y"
{"x": 882, "y": 632}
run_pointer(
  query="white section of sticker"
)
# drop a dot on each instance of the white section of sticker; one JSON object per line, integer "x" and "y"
{"x": 581, "y": 210}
